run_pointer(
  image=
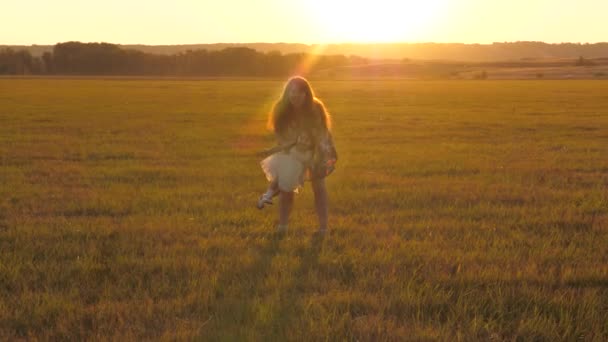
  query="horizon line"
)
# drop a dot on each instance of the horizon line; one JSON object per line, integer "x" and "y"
{"x": 318, "y": 44}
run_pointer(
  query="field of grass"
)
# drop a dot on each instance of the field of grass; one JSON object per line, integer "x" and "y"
{"x": 460, "y": 210}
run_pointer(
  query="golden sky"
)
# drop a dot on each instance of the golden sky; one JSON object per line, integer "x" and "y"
{"x": 313, "y": 21}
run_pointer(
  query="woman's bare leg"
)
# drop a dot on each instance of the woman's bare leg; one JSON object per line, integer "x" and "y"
{"x": 318, "y": 187}
{"x": 285, "y": 205}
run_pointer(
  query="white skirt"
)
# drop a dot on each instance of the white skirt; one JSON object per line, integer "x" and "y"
{"x": 287, "y": 168}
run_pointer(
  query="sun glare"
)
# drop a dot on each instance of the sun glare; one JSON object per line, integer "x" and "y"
{"x": 375, "y": 21}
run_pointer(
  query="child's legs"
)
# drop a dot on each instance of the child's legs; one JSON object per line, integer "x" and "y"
{"x": 273, "y": 188}
{"x": 285, "y": 205}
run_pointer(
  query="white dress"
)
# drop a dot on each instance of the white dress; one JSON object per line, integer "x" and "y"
{"x": 287, "y": 168}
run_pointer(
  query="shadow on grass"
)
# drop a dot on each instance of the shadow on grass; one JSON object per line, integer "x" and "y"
{"x": 231, "y": 305}
{"x": 279, "y": 326}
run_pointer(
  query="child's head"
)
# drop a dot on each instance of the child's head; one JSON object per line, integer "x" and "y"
{"x": 298, "y": 93}
{"x": 298, "y": 99}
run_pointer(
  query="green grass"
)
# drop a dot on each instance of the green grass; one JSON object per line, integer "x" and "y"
{"x": 465, "y": 210}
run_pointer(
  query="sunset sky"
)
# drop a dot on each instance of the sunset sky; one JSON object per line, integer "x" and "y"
{"x": 294, "y": 21}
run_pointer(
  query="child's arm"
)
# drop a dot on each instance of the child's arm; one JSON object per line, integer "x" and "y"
{"x": 276, "y": 149}
{"x": 286, "y": 139}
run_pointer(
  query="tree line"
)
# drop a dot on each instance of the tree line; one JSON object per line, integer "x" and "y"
{"x": 76, "y": 58}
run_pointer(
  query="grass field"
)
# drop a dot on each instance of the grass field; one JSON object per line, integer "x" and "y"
{"x": 462, "y": 210}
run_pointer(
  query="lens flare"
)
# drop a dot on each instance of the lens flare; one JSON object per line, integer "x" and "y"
{"x": 375, "y": 21}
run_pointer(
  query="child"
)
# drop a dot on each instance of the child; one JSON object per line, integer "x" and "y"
{"x": 285, "y": 168}
{"x": 300, "y": 123}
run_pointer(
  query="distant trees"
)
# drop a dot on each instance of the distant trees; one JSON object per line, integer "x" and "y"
{"x": 75, "y": 58}
{"x": 18, "y": 63}
{"x": 582, "y": 61}
{"x": 483, "y": 75}
{"x": 47, "y": 62}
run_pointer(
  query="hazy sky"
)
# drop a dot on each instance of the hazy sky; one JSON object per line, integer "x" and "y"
{"x": 312, "y": 21}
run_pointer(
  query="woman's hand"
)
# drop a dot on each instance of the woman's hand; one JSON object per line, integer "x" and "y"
{"x": 304, "y": 143}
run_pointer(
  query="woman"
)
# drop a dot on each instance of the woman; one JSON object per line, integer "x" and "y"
{"x": 302, "y": 127}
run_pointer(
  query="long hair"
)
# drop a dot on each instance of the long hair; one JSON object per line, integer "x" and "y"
{"x": 315, "y": 116}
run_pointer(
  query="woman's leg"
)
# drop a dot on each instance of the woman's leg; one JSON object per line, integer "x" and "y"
{"x": 285, "y": 205}
{"x": 318, "y": 186}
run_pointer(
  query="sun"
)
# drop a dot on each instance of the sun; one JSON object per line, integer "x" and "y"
{"x": 375, "y": 21}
